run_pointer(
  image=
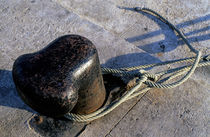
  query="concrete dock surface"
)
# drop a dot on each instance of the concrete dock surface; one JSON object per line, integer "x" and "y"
{"x": 123, "y": 37}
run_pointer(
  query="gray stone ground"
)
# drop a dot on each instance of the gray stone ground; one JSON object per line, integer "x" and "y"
{"x": 123, "y": 38}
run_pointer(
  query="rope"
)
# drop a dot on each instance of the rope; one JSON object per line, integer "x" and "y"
{"x": 149, "y": 79}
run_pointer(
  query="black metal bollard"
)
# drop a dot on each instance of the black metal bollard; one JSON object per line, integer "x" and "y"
{"x": 64, "y": 76}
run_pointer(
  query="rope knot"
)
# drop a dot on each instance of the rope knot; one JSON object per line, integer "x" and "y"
{"x": 142, "y": 79}
{"x": 149, "y": 76}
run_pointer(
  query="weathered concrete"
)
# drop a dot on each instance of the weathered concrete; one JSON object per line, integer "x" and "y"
{"x": 27, "y": 26}
{"x": 150, "y": 35}
{"x": 177, "y": 112}
{"x": 123, "y": 38}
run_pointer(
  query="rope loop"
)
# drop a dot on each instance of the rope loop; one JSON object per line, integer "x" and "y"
{"x": 151, "y": 76}
{"x": 143, "y": 76}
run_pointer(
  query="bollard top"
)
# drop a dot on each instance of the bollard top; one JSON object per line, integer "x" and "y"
{"x": 46, "y": 80}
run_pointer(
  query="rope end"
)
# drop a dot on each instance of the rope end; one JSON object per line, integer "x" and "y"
{"x": 137, "y": 8}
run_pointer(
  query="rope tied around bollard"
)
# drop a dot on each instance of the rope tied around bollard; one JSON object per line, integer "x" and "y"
{"x": 147, "y": 78}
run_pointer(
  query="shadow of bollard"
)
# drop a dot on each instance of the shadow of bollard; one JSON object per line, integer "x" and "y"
{"x": 8, "y": 94}
{"x": 131, "y": 59}
{"x": 48, "y": 126}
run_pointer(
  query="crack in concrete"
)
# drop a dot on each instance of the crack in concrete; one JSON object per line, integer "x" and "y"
{"x": 115, "y": 125}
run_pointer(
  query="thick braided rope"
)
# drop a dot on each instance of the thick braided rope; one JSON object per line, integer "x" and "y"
{"x": 184, "y": 68}
{"x": 127, "y": 69}
{"x": 177, "y": 83}
{"x": 115, "y": 71}
{"x": 186, "y": 60}
{"x": 146, "y": 77}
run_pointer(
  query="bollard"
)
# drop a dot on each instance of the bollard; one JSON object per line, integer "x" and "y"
{"x": 64, "y": 76}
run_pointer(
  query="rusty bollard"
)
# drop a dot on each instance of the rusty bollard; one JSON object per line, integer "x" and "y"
{"x": 64, "y": 76}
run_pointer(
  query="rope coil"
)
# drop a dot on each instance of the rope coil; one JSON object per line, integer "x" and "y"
{"x": 145, "y": 77}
